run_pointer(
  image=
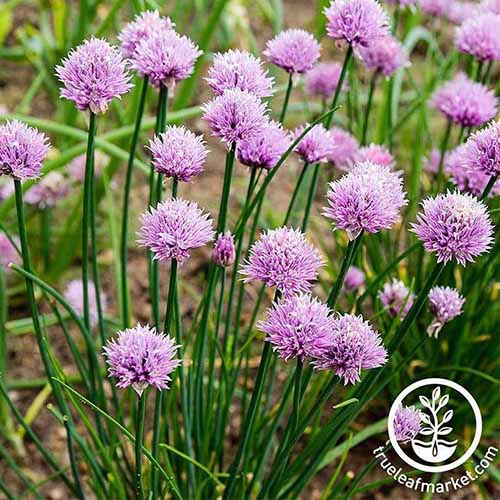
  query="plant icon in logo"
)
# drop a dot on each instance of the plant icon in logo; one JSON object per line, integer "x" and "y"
{"x": 437, "y": 449}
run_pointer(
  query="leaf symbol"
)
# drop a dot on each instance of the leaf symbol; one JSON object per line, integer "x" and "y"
{"x": 444, "y": 431}
{"x": 425, "y": 402}
{"x": 425, "y": 418}
{"x": 444, "y": 401}
{"x": 426, "y": 431}
{"x": 447, "y": 416}
{"x": 436, "y": 393}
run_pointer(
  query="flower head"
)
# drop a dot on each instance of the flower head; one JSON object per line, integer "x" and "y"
{"x": 459, "y": 12}
{"x": 454, "y": 226}
{"x": 353, "y": 346}
{"x": 445, "y": 303}
{"x": 235, "y": 116}
{"x": 178, "y": 153}
{"x": 93, "y": 74}
{"x": 140, "y": 28}
{"x": 492, "y": 6}
{"x": 76, "y": 167}
{"x": 344, "y": 147}
{"x": 354, "y": 278}
{"x": 266, "y": 148}
{"x": 298, "y": 327}
{"x": 482, "y": 151}
{"x": 396, "y": 298}
{"x": 46, "y": 193}
{"x": 479, "y": 37}
{"x": 406, "y": 424}
{"x": 294, "y": 50}
{"x": 437, "y": 8}
{"x": 283, "y": 258}
{"x": 368, "y": 198}
{"x": 463, "y": 173}
{"x": 238, "y": 69}
{"x": 174, "y": 228}
{"x": 358, "y": 22}
{"x": 165, "y": 57}
{"x": 22, "y": 150}
{"x": 375, "y": 153}
{"x": 316, "y": 146}
{"x": 385, "y": 55}
{"x": 224, "y": 251}
{"x": 465, "y": 102}
{"x": 141, "y": 357}
{"x": 74, "y": 295}
{"x": 8, "y": 252}
{"x": 323, "y": 79}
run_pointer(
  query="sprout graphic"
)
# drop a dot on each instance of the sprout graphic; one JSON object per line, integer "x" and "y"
{"x": 437, "y": 449}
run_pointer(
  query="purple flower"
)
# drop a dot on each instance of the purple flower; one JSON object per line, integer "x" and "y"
{"x": 74, "y": 295}
{"x": 165, "y": 58}
{"x": 93, "y": 74}
{"x": 353, "y": 346}
{"x": 344, "y": 148}
{"x": 368, "y": 198}
{"x": 384, "y": 55}
{"x": 323, "y": 79}
{"x": 8, "y": 252}
{"x": 437, "y": 8}
{"x": 479, "y": 36}
{"x": 298, "y": 327}
{"x": 283, "y": 258}
{"x": 224, "y": 252}
{"x": 375, "y": 153}
{"x": 266, "y": 148}
{"x": 178, "y": 153}
{"x": 174, "y": 228}
{"x": 76, "y": 168}
{"x": 396, "y": 298}
{"x": 237, "y": 69}
{"x": 22, "y": 150}
{"x": 464, "y": 175}
{"x": 141, "y": 357}
{"x": 235, "y": 116}
{"x": 316, "y": 146}
{"x": 406, "y": 423}
{"x": 459, "y": 12}
{"x": 482, "y": 152}
{"x": 465, "y": 102}
{"x": 492, "y": 6}
{"x": 140, "y": 28}
{"x": 402, "y": 3}
{"x": 454, "y": 225}
{"x": 46, "y": 193}
{"x": 354, "y": 279}
{"x": 358, "y": 22}
{"x": 294, "y": 50}
{"x": 445, "y": 303}
{"x": 6, "y": 188}
{"x": 431, "y": 162}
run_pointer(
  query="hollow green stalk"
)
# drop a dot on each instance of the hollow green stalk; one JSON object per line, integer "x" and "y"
{"x": 139, "y": 437}
{"x": 295, "y": 193}
{"x": 41, "y": 339}
{"x": 310, "y": 197}
{"x": 489, "y": 187}
{"x": 444, "y": 146}
{"x": 45, "y": 236}
{"x": 371, "y": 91}
{"x": 349, "y": 256}
{"x": 125, "y": 295}
{"x": 87, "y": 188}
{"x": 287, "y": 98}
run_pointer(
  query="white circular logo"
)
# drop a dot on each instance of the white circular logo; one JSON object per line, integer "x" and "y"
{"x": 432, "y": 445}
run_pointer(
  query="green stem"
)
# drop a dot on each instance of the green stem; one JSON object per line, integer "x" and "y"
{"x": 349, "y": 256}
{"x": 371, "y": 90}
{"x": 295, "y": 193}
{"x": 125, "y": 302}
{"x": 287, "y": 98}
{"x": 444, "y": 146}
{"x": 343, "y": 73}
{"x": 489, "y": 187}
{"x": 310, "y": 198}
{"x": 45, "y": 235}
{"x": 87, "y": 188}
{"x": 169, "y": 312}
{"x": 139, "y": 436}
{"x": 41, "y": 340}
